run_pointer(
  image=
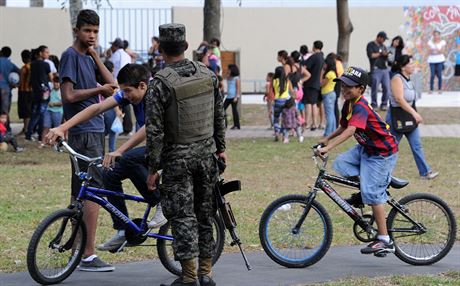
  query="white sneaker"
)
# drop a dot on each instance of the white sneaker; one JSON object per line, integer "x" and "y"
{"x": 301, "y": 139}
{"x": 113, "y": 243}
{"x": 158, "y": 219}
{"x": 286, "y": 140}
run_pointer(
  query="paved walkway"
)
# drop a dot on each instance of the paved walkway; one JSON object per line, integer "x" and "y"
{"x": 338, "y": 263}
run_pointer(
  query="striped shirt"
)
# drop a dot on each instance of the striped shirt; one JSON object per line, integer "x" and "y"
{"x": 371, "y": 131}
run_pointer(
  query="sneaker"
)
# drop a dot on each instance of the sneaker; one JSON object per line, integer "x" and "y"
{"x": 286, "y": 140}
{"x": 383, "y": 108}
{"x": 19, "y": 149}
{"x": 430, "y": 175}
{"x": 355, "y": 200}
{"x": 113, "y": 243}
{"x": 379, "y": 247}
{"x": 301, "y": 138}
{"x": 158, "y": 219}
{"x": 95, "y": 265}
{"x": 179, "y": 282}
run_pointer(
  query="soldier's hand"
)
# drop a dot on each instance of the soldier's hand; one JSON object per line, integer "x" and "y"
{"x": 152, "y": 181}
{"x": 223, "y": 156}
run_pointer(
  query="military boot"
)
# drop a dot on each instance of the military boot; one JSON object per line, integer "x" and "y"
{"x": 205, "y": 272}
{"x": 189, "y": 275}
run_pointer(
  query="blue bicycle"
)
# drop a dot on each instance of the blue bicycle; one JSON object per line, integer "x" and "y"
{"x": 58, "y": 243}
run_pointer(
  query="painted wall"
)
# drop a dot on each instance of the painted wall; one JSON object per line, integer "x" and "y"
{"x": 259, "y": 33}
{"x": 26, "y": 28}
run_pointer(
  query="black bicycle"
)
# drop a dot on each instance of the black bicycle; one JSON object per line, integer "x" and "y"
{"x": 296, "y": 230}
{"x": 57, "y": 245}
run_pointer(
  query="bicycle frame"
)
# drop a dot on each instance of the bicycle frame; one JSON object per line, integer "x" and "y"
{"x": 93, "y": 194}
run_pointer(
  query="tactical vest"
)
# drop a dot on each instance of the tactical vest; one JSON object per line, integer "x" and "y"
{"x": 190, "y": 115}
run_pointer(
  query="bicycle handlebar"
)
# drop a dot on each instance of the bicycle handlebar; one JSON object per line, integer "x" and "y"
{"x": 74, "y": 155}
{"x": 316, "y": 153}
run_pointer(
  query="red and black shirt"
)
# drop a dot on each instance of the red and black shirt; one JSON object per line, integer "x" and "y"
{"x": 371, "y": 131}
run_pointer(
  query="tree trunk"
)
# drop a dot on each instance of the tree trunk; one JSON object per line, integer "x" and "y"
{"x": 211, "y": 15}
{"x": 2, "y": 2}
{"x": 74, "y": 7}
{"x": 345, "y": 29}
{"x": 36, "y": 3}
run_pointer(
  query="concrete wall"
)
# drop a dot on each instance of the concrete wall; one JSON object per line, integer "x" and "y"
{"x": 259, "y": 33}
{"x": 26, "y": 28}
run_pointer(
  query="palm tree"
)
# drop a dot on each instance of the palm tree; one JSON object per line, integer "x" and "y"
{"x": 345, "y": 29}
{"x": 211, "y": 15}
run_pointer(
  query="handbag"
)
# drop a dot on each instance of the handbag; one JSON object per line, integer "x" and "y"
{"x": 403, "y": 121}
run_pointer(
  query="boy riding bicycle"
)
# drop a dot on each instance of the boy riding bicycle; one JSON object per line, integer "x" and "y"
{"x": 373, "y": 159}
{"x": 133, "y": 80}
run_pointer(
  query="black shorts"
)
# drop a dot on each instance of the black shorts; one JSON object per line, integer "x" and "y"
{"x": 311, "y": 95}
{"x": 25, "y": 99}
{"x": 457, "y": 70}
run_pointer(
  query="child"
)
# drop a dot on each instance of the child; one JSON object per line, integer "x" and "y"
{"x": 328, "y": 93}
{"x": 269, "y": 97}
{"x": 53, "y": 114}
{"x": 6, "y": 136}
{"x": 233, "y": 94}
{"x": 281, "y": 88}
{"x": 373, "y": 159}
{"x": 290, "y": 120}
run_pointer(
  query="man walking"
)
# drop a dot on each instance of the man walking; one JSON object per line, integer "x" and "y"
{"x": 185, "y": 129}
{"x": 378, "y": 56}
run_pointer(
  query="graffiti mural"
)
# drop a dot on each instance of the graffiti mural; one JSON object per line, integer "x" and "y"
{"x": 420, "y": 22}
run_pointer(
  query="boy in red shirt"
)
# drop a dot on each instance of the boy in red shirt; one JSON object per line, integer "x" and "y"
{"x": 6, "y": 136}
{"x": 373, "y": 159}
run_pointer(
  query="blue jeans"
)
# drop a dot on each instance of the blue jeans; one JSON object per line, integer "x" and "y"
{"x": 109, "y": 117}
{"x": 374, "y": 172}
{"x": 415, "y": 144}
{"x": 380, "y": 76}
{"x": 52, "y": 119}
{"x": 133, "y": 166}
{"x": 277, "y": 110}
{"x": 329, "y": 105}
{"x": 36, "y": 119}
{"x": 436, "y": 70}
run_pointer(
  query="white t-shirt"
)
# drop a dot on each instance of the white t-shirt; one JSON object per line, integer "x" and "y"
{"x": 52, "y": 66}
{"x": 438, "y": 58}
{"x": 119, "y": 59}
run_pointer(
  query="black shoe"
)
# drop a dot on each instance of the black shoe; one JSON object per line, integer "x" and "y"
{"x": 355, "y": 200}
{"x": 378, "y": 248}
{"x": 179, "y": 282}
{"x": 383, "y": 108}
{"x": 206, "y": 281}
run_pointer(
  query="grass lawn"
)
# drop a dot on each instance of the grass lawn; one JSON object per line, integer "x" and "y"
{"x": 36, "y": 182}
{"x": 448, "y": 278}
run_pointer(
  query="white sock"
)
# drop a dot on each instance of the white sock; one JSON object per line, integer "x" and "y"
{"x": 89, "y": 258}
{"x": 384, "y": 238}
{"x": 121, "y": 232}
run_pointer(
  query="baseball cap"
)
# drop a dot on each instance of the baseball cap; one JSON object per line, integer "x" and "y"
{"x": 117, "y": 43}
{"x": 382, "y": 34}
{"x": 354, "y": 76}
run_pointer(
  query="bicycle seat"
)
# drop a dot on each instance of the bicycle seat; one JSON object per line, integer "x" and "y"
{"x": 397, "y": 183}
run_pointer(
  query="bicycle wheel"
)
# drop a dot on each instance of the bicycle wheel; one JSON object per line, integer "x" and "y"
{"x": 287, "y": 246}
{"x": 428, "y": 245}
{"x": 48, "y": 261}
{"x": 165, "y": 250}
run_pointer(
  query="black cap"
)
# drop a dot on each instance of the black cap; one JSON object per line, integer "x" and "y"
{"x": 172, "y": 33}
{"x": 117, "y": 43}
{"x": 382, "y": 34}
{"x": 354, "y": 76}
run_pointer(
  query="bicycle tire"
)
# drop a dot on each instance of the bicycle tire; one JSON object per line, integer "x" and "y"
{"x": 436, "y": 215}
{"x": 165, "y": 251}
{"x": 69, "y": 258}
{"x": 289, "y": 209}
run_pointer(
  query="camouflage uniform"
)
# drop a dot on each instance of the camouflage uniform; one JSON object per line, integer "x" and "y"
{"x": 189, "y": 170}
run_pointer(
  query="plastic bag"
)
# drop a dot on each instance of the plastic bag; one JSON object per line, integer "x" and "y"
{"x": 117, "y": 126}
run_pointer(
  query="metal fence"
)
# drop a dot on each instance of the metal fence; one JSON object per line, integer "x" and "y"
{"x": 137, "y": 26}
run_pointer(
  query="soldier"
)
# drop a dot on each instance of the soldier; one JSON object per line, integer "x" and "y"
{"x": 185, "y": 133}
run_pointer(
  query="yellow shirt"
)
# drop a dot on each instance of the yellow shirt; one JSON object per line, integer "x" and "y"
{"x": 329, "y": 87}
{"x": 276, "y": 87}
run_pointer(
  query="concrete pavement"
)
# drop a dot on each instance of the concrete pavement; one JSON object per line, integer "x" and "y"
{"x": 338, "y": 263}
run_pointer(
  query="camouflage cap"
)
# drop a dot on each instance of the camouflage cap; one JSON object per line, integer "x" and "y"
{"x": 172, "y": 33}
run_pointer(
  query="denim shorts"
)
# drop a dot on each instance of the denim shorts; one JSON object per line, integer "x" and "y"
{"x": 52, "y": 119}
{"x": 374, "y": 172}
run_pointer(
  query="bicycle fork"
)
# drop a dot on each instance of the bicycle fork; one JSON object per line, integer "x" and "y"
{"x": 311, "y": 197}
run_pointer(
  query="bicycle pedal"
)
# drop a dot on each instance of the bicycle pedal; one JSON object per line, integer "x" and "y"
{"x": 381, "y": 254}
